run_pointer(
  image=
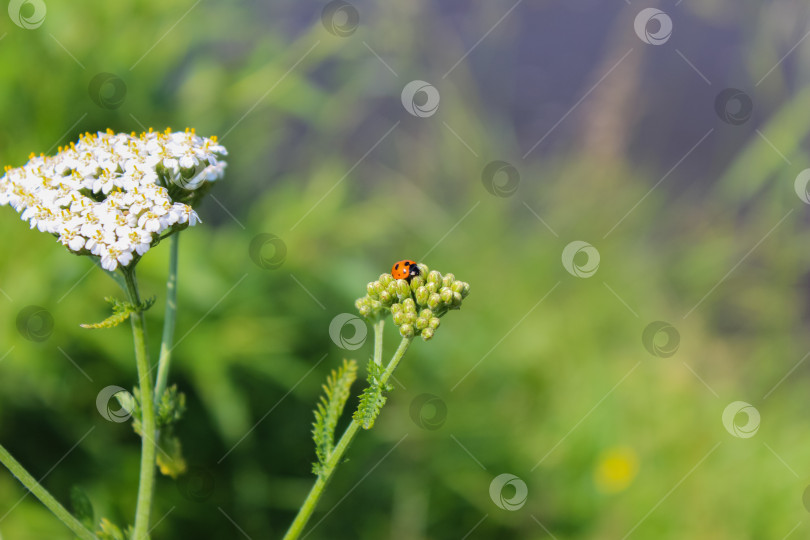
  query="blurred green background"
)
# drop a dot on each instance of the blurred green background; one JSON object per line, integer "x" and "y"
{"x": 616, "y": 142}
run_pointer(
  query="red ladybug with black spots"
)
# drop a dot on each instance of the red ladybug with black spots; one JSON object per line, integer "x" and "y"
{"x": 406, "y": 270}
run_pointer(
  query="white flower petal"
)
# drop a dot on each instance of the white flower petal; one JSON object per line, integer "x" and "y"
{"x": 51, "y": 192}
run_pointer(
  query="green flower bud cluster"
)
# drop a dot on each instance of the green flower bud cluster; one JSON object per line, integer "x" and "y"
{"x": 416, "y": 307}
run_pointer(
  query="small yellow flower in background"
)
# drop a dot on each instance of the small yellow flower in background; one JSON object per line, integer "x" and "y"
{"x": 616, "y": 469}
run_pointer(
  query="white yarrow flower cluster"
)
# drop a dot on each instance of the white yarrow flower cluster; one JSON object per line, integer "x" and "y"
{"x": 109, "y": 194}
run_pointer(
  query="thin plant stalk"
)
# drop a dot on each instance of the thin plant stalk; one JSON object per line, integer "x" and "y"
{"x": 44, "y": 496}
{"x": 308, "y": 507}
{"x": 167, "y": 341}
{"x": 148, "y": 422}
{"x": 378, "y": 341}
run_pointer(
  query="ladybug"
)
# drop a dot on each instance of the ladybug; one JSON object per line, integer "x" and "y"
{"x": 405, "y": 270}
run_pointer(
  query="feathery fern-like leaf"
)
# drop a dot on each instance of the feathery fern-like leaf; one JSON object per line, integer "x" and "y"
{"x": 372, "y": 398}
{"x": 330, "y": 407}
{"x": 121, "y": 312}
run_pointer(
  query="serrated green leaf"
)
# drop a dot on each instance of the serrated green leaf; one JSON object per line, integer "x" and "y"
{"x": 371, "y": 402}
{"x": 171, "y": 407}
{"x": 372, "y": 398}
{"x": 82, "y": 507}
{"x": 121, "y": 312}
{"x": 170, "y": 459}
{"x": 110, "y": 322}
{"x": 110, "y": 531}
{"x": 127, "y": 402}
{"x": 329, "y": 409}
{"x": 148, "y": 303}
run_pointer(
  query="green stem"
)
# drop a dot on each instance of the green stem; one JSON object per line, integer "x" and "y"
{"x": 165, "y": 360}
{"x": 392, "y": 365}
{"x": 44, "y": 496}
{"x": 336, "y": 456}
{"x": 148, "y": 424}
{"x": 378, "y": 341}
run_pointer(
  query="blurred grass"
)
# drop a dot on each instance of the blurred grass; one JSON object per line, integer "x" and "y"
{"x": 566, "y": 381}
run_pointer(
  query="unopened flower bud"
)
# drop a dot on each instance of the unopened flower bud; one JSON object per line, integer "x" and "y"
{"x": 422, "y": 296}
{"x": 434, "y": 277}
{"x": 446, "y": 295}
{"x": 416, "y": 282}
{"x": 416, "y": 303}
{"x": 403, "y": 289}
